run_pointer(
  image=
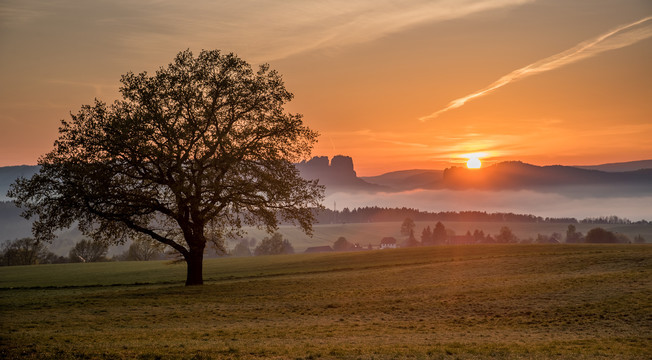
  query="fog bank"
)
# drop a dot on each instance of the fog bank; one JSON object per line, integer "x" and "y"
{"x": 545, "y": 204}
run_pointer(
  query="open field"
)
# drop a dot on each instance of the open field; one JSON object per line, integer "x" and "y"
{"x": 466, "y": 302}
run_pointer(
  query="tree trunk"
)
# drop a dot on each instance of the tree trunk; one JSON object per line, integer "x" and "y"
{"x": 195, "y": 261}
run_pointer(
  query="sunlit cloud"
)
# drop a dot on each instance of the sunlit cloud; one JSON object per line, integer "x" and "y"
{"x": 622, "y": 36}
{"x": 259, "y": 30}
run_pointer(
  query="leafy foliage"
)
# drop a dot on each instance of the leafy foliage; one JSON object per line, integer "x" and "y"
{"x": 506, "y": 235}
{"x": 341, "y": 244}
{"x": 142, "y": 250}
{"x": 439, "y": 234}
{"x": 188, "y": 156}
{"x": 88, "y": 251}
{"x": 600, "y": 235}
{"x": 274, "y": 245}
{"x": 407, "y": 226}
{"x": 242, "y": 248}
{"x": 25, "y": 251}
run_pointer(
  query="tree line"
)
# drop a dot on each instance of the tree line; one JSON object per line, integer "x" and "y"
{"x": 439, "y": 235}
{"x": 384, "y": 214}
{"x": 29, "y": 251}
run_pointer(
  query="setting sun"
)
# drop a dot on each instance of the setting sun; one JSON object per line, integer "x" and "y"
{"x": 474, "y": 163}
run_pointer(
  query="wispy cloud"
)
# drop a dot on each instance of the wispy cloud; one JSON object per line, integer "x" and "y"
{"x": 258, "y": 29}
{"x": 622, "y": 36}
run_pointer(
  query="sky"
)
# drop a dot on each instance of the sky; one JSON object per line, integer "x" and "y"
{"x": 395, "y": 85}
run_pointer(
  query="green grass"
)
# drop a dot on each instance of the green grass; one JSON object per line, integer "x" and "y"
{"x": 466, "y": 302}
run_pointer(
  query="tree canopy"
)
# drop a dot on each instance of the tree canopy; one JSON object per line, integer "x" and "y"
{"x": 274, "y": 245}
{"x": 407, "y": 226}
{"x": 189, "y": 155}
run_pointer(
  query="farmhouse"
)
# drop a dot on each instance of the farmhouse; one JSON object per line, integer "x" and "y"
{"x": 318, "y": 249}
{"x": 388, "y": 243}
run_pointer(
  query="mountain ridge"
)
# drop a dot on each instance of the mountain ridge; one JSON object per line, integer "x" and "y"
{"x": 338, "y": 175}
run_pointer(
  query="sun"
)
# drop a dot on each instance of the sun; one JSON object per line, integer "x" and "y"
{"x": 473, "y": 163}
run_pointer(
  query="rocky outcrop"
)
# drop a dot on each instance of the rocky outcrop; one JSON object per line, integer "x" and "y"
{"x": 338, "y": 174}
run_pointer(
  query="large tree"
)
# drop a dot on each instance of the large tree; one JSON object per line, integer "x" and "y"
{"x": 189, "y": 155}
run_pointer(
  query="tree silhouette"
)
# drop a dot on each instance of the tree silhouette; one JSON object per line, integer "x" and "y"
{"x": 439, "y": 234}
{"x": 426, "y": 236}
{"x": 407, "y": 226}
{"x": 242, "y": 248}
{"x": 142, "y": 250}
{"x": 274, "y": 245}
{"x": 189, "y": 156}
{"x": 341, "y": 244}
{"x": 572, "y": 236}
{"x": 88, "y": 251}
{"x": 25, "y": 251}
{"x": 506, "y": 235}
{"x": 600, "y": 235}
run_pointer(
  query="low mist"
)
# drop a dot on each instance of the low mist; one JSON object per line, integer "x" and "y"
{"x": 540, "y": 203}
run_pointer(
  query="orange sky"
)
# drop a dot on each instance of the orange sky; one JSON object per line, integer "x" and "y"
{"x": 363, "y": 73}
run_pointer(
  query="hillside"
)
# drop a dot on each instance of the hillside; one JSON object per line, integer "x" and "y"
{"x": 519, "y": 175}
{"x": 407, "y": 179}
{"x": 621, "y": 166}
{"x": 625, "y": 178}
{"x": 9, "y": 174}
{"x": 338, "y": 175}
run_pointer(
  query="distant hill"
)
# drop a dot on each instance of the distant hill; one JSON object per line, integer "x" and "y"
{"x": 518, "y": 175}
{"x": 338, "y": 175}
{"x": 624, "y": 178}
{"x": 9, "y": 174}
{"x": 621, "y": 166}
{"x": 407, "y": 179}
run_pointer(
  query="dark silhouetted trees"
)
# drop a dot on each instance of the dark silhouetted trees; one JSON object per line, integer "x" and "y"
{"x": 274, "y": 245}
{"x": 25, "y": 251}
{"x": 341, "y": 244}
{"x": 426, "y": 236}
{"x": 572, "y": 236}
{"x": 242, "y": 248}
{"x": 143, "y": 250}
{"x": 188, "y": 156}
{"x": 600, "y": 235}
{"x": 506, "y": 235}
{"x": 407, "y": 226}
{"x": 88, "y": 251}
{"x": 439, "y": 234}
{"x": 411, "y": 240}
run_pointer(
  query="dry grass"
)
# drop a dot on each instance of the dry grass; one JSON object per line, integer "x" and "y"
{"x": 466, "y": 302}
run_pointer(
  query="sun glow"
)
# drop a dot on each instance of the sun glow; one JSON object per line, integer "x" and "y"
{"x": 474, "y": 163}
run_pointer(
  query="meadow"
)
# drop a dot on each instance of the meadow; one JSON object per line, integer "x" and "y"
{"x": 459, "y": 302}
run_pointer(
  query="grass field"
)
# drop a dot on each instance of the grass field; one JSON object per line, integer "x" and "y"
{"x": 466, "y": 302}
